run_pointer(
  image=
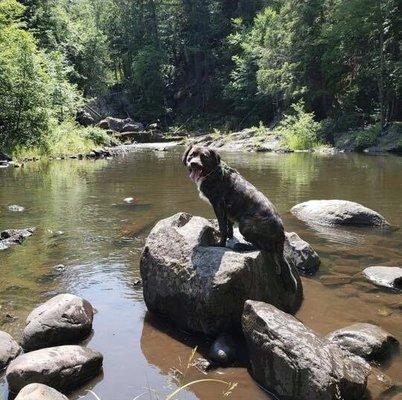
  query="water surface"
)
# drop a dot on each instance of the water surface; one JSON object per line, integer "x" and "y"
{"x": 83, "y": 223}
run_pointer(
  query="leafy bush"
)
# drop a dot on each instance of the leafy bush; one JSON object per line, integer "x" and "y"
{"x": 299, "y": 129}
{"x": 368, "y": 137}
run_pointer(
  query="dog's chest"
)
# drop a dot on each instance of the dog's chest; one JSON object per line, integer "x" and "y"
{"x": 201, "y": 194}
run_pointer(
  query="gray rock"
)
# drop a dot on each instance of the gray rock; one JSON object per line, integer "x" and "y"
{"x": 223, "y": 350}
{"x": 84, "y": 118}
{"x": 365, "y": 340}
{"x": 338, "y": 212}
{"x": 297, "y": 251}
{"x": 15, "y": 208}
{"x": 64, "y": 319}
{"x": 301, "y": 254}
{"x": 202, "y": 287}
{"x": 63, "y": 368}
{"x": 37, "y": 391}
{"x": 9, "y": 349}
{"x": 133, "y": 127}
{"x": 104, "y": 124}
{"x": 390, "y": 277}
{"x": 11, "y": 237}
{"x": 115, "y": 124}
{"x": 291, "y": 361}
{"x": 4, "y": 157}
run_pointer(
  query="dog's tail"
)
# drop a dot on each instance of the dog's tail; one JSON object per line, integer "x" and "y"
{"x": 284, "y": 268}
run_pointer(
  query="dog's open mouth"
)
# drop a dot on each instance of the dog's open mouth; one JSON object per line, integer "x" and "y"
{"x": 195, "y": 174}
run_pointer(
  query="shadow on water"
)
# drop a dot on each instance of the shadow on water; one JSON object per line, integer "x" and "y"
{"x": 84, "y": 224}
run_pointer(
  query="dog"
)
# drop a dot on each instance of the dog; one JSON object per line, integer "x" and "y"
{"x": 235, "y": 200}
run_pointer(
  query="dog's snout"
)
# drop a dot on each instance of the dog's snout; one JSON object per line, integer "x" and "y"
{"x": 193, "y": 163}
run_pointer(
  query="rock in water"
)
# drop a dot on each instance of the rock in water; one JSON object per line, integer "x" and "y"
{"x": 10, "y": 237}
{"x": 338, "y": 212}
{"x": 223, "y": 350}
{"x": 9, "y": 349}
{"x": 301, "y": 254}
{"x": 63, "y": 368}
{"x": 15, "y": 208}
{"x": 202, "y": 287}
{"x": 291, "y": 361}
{"x": 37, "y": 391}
{"x": 365, "y": 340}
{"x": 390, "y": 277}
{"x": 64, "y": 319}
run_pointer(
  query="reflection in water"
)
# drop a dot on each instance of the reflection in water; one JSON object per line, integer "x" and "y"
{"x": 84, "y": 224}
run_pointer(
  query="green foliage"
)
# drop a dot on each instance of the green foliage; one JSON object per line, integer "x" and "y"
{"x": 368, "y": 137}
{"x": 299, "y": 129}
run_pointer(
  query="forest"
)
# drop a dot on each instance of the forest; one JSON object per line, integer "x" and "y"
{"x": 335, "y": 64}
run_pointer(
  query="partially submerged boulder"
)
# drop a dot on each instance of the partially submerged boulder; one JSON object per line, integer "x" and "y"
{"x": 291, "y": 361}
{"x": 202, "y": 287}
{"x": 10, "y": 237}
{"x": 64, "y": 319}
{"x": 37, "y": 391}
{"x": 365, "y": 340}
{"x": 63, "y": 368}
{"x": 301, "y": 254}
{"x": 338, "y": 212}
{"x": 389, "y": 277}
{"x": 9, "y": 349}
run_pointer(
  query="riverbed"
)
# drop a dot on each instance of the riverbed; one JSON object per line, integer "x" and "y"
{"x": 88, "y": 242}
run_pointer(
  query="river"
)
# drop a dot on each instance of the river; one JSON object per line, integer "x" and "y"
{"x": 83, "y": 223}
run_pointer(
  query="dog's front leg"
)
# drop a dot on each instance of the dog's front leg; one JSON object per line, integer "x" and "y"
{"x": 220, "y": 213}
{"x": 230, "y": 229}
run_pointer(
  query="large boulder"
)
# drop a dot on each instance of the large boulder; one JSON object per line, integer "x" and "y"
{"x": 63, "y": 368}
{"x": 338, "y": 212}
{"x": 37, "y": 391}
{"x": 389, "y": 277}
{"x": 365, "y": 340}
{"x": 291, "y": 361}
{"x": 202, "y": 287}
{"x": 297, "y": 251}
{"x": 10, "y": 237}
{"x": 9, "y": 349}
{"x": 301, "y": 254}
{"x": 115, "y": 124}
{"x": 133, "y": 127}
{"x": 84, "y": 118}
{"x": 64, "y": 319}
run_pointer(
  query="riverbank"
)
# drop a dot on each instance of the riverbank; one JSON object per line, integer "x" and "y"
{"x": 262, "y": 140}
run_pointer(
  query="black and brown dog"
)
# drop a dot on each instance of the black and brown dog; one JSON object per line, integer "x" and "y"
{"x": 235, "y": 200}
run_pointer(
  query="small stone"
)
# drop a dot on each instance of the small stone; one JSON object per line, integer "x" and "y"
{"x": 37, "y": 391}
{"x": 15, "y": 208}
{"x": 128, "y": 200}
{"x": 390, "y": 277}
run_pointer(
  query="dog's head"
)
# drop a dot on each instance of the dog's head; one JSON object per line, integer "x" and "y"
{"x": 200, "y": 161}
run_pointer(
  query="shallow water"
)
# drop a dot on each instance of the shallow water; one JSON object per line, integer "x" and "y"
{"x": 83, "y": 223}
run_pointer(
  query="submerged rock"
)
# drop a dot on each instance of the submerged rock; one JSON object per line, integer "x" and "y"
{"x": 10, "y": 237}
{"x": 365, "y": 340}
{"x": 290, "y": 360}
{"x": 15, "y": 208}
{"x": 202, "y": 287}
{"x": 301, "y": 254}
{"x": 223, "y": 350}
{"x": 64, "y": 319}
{"x": 390, "y": 277}
{"x": 338, "y": 212}
{"x": 9, "y": 349}
{"x": 63, "y": 368}
{"x": 37, "y": 391}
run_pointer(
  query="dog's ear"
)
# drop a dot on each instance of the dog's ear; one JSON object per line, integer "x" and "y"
{"x": 215, "y": 156}
{"x": 184, "y": 158}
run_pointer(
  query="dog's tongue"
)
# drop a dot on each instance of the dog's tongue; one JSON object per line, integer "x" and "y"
{"x": 195, "y": 175}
